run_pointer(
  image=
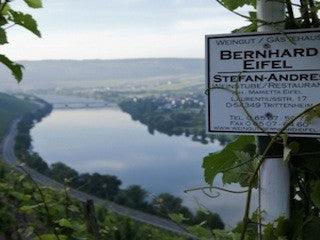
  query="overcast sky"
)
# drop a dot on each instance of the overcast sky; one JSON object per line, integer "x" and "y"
{"x": 113, "y": 29}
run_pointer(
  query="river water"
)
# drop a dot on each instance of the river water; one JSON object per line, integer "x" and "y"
{"x": 108, "y": 141}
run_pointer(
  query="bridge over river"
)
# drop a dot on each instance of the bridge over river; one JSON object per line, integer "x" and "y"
{"x": 78, "y": 105}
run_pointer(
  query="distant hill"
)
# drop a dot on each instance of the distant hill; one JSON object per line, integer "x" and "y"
{"x": 94, "y": 73}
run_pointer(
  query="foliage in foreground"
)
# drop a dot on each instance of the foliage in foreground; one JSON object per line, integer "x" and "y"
{"x": 31, "y": 211}
{"x": 9, "y": 18}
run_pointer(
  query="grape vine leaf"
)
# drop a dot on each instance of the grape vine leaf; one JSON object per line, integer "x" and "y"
{"x": 177, "y": 217}
{"x": 199, "y": 231}
{"x": 34, "y": 3}
{"x": 249, "y": 28}
{"x": 64, "y": 223}
{"x": 279, "y": 229}
{"x": 226, "y": 158}
{"x": 3, "y": 37}
{"x": 25, "y": 20}
{"x": 51, "y": 237}
{"x": 5, "y": 7}
{"x": 28, "y": 209}
{"x": 246, "y": 163}
{"x": 232, "y": 5}
{"x": 16, "y": 69}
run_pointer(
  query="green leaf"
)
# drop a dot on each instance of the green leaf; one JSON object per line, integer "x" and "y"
{"x": 199, "y": 231}
{"x": 5, "y": 9}
{"x": 315, "y": 193}
{"x": 5, "y": 186}
{"x": 268, "y": 232}
{"x": 3, "y": 36}
{"x": 34, "y": 3}
{"x": 249, "y": 28}
{"x": 177, "y": 217}
{"x": 28, "y": 209}
{"x": 251, "y": 231}
{"x": 218, "y": 162}
{"x": 21, "y": 178}
{"x": 232, "y": 4}
{"x": 20, "y": 196}
{"x": 65, "y": 223}
{"x": 243, "y": 173}
{"x": 16, "y": 69}
{"x": 281, "y": 228}
{"x": 50, "y": 237}
{"x": 73, "y": 209}
{"x": 25, "y": 20}
{"x": 3, "y": 21}
{"x": 222, "y": 234}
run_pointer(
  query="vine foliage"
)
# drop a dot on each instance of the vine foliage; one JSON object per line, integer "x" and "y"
{"x": 239, "y": 162}
{"x": 9, "y": 18}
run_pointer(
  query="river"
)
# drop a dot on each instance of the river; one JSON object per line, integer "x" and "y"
{"x": 108, "y": 141}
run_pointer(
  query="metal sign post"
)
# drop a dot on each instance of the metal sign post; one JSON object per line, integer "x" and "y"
{"x": 274, "y": 177}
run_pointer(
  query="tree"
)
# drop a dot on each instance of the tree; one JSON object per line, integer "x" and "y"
{"x": 133, "y": 196}
{"x": 61, "y": 172}
{"x": 8, "y": 18}
{"x": 210, "y": 220}
{"x": 166, "y": 204}
{"x": 104, "y": 186}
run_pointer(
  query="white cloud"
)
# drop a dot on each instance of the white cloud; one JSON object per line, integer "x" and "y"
{"x": 182, "y": 36}
{"x": 217, "y": 25}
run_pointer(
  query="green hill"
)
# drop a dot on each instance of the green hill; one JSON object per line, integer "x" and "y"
{"x": 12, "y": 107}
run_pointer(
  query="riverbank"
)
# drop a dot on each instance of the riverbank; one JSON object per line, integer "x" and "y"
{"x": 105, "y": 186}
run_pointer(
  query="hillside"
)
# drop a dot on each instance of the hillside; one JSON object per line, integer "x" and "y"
{"x": 31, "y": 211}
{"x": 12, "y": 107}
{"x": 95, "y": 73}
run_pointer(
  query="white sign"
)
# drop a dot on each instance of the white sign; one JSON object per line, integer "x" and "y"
{"x": 278, "y": 76}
